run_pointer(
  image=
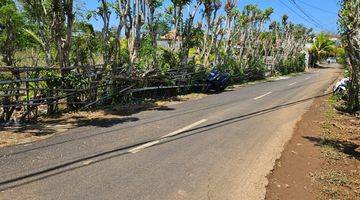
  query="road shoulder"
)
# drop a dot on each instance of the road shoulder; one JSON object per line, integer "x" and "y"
{"x": 322, "y": 160}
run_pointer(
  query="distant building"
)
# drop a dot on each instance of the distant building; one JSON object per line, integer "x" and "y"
{"x": 336, "y": 39}
{"x": 166, "y": 40}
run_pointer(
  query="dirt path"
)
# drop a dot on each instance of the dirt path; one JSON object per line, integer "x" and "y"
{"x": 322, "y": 160}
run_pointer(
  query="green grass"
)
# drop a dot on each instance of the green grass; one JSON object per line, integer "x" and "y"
{"x": 330, "y": 152}
{"x": 331, "y": 177}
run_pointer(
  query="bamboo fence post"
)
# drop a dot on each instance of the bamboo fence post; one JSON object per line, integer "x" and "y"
{"x": 27, "y": 94}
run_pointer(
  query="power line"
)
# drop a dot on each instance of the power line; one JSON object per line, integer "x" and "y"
{"x": 315, "y": 7}
{"x": 304, "y": 12}
{"x": 310, "y": 17}
{"x": 296, "y": 13}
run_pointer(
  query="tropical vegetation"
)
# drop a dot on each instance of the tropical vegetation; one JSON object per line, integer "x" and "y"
{"x": 58, "y": 34}
{"x": 349, "y": 27}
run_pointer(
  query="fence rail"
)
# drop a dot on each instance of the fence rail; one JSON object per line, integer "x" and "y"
{"x": 26, "y": 89}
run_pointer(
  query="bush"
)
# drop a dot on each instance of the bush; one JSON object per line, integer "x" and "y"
{"x": 167, "y": 60}
{"x": 256, "y": 70}
{"x": 292, "y": 65}
{"x": 234, "y": 68}
{"x": 147, "y": 54}
{"x": 300, "y": 63}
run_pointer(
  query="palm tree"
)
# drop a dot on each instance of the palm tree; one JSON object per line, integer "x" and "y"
{"x": 322, "y": 47}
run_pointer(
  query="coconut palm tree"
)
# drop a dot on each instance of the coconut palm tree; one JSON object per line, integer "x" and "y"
{"x": 322, "y": 47}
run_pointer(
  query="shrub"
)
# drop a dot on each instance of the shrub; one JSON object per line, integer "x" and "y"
{"x": 146, "y": 54}
{"x": 288, "y": 66}
{"x": 167, "y": 60}
{"x": 234, "y": 68}
{"x": 256, "y": 70}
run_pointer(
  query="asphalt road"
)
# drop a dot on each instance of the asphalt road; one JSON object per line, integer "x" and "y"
{"x": 218, "y": 147}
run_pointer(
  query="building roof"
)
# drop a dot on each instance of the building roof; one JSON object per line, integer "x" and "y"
{"x": 170, "y": 35}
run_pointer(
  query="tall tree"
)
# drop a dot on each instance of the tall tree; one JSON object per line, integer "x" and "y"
{"x": 211, "y": 8}
{"x": 231, "y": 13}
{"x": 350, "y": 31}
{"x": 11, "y": 34}
{"x": 188, "y": 34}
{"x": 53, "y": 23}
{"x": 11, "y": 41}
{"x": 105, "y": 13}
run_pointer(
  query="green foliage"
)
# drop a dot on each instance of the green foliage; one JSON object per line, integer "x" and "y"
{"x": 255, "y": 70}
{"x": 349, "y": 26}
{"x": 162, "y": 24}
{"x": 323, "y": 46}
{"x": 340, "y": 55}
{"x": 147, "y": 54}
{"x": 300, "y": 63}
{"x": 196, "y": 35}
{"x": 5, "y": 77}
{"x": 234, "y": 68}
{"x": 75, "y": 81}
{"x": 85, "y": 44}
{"x": 167, "y": 60}
{"x": 241, "y": 41}
{"x": 54, "y": 80}
{"x": 123, "y": 52}
{"x": 11, "y": 32}
{"x": 292, "y": 65}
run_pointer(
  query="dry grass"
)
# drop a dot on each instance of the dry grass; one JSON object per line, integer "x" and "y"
{"x": 339, "y": 177}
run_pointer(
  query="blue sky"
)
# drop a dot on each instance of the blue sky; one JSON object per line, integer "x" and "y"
{"x": 322, "y": 13}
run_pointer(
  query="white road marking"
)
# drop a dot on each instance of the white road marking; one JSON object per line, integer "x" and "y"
{"x": 259, "y": 97}
{"x": 307, "y": 78}
{"x": 292, "y": 83}
{"x": 87, "y": 162}
{"x": 184, "y": 129}
{"x": 143, "y": 146}
{"x": 281, "y": 78}
{"x": 152, "y": 143}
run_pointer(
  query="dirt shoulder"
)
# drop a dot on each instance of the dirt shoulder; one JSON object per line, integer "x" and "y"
{"x": 322, "y": 160}
{"x": 47, "y": 126}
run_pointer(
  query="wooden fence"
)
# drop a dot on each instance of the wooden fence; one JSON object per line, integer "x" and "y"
{"x": 26, "y": 92}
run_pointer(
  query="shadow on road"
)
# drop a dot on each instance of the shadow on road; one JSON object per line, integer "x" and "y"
{"x": 19, "y": 178}
{"x": 105, "y": 118}
{"x": 75, "y": 137}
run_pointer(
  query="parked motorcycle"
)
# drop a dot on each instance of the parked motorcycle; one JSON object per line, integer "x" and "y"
{"x": 340, "y": 86}
{"x": 217, "y": 81}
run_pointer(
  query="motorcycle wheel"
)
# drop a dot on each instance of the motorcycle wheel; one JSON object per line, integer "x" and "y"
{"x": 207, "y": 88}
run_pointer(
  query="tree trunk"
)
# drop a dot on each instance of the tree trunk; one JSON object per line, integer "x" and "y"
{"x": 353, "y": 62}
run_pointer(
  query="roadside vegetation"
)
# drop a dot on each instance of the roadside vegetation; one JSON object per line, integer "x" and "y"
{"x": 350, "y": 32}
{"x": 322, "y": 48}
{"x": 339, "y": 175}
{"x": 54, "y": 60}
{"x": 329, "y": 147}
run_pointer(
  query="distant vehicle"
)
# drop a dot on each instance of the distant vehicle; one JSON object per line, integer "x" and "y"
{"x": 217, "y": 81}
{"x": 331, "y": 60}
